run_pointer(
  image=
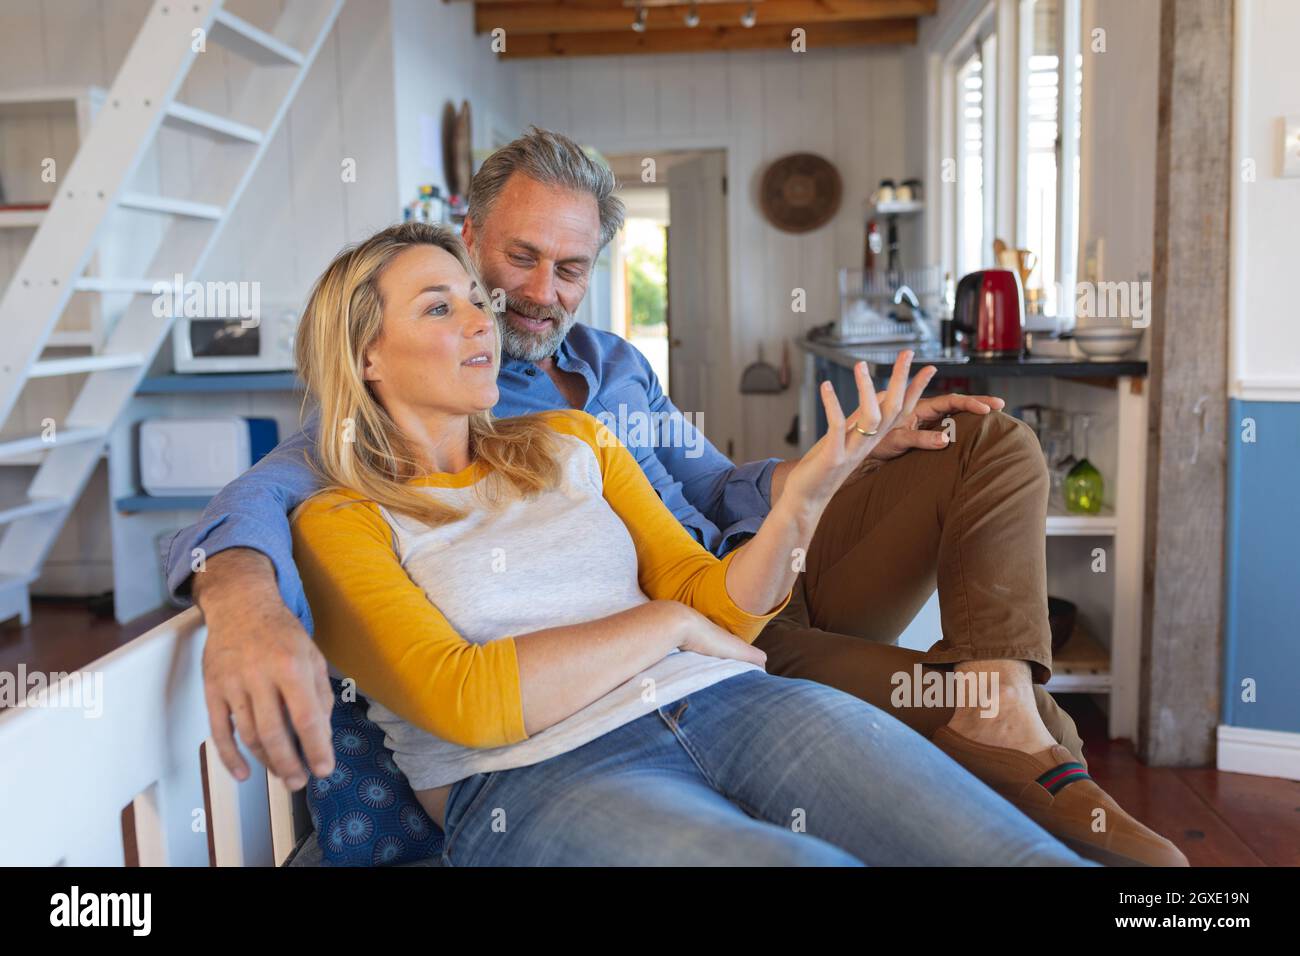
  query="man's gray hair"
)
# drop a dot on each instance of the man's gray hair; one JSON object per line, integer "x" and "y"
{"x": 553, "y": 160}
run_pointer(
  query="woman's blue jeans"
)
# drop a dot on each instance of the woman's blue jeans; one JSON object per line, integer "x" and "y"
{"x": 756, "y": 770}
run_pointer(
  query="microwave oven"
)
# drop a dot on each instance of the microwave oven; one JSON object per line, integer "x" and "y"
{"x": 264, "y": 344}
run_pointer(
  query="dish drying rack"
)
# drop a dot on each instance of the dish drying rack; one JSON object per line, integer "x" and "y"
{"x": 866, "y": 298}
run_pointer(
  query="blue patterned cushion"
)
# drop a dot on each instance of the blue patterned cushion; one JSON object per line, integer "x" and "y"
{"x": 365, "y": 812}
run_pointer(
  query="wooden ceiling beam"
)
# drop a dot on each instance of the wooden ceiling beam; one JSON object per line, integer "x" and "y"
{"x": 704, "y": 39}
{"x": 521, "y": 18}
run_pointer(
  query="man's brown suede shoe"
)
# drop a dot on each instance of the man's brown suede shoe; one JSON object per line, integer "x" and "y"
{"x": 1055, "y": 791}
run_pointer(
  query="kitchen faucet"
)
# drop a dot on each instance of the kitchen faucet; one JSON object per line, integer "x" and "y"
{"x": 918, "y": 314}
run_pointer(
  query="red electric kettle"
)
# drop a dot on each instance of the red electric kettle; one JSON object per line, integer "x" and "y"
{"x": 990, "y": 312}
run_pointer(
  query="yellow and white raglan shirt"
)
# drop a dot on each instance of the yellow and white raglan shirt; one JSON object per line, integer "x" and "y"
{"x": 423, "y": 618}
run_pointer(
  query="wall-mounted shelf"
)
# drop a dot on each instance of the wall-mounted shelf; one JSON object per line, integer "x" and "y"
{"x": 39, "y": 100}
{"x": 135, "y": 503}
{"x": 899, "y": 207}
{"x": 224, "y": 382}
{"x": 27, "y": 216}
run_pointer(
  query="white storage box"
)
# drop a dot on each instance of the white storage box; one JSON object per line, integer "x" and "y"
{"x": 200, "y": 456}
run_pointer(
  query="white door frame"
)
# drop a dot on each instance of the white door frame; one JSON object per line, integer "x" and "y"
{"x": 723, "y": 422}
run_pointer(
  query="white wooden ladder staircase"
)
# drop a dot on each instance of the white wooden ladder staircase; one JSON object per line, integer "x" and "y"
{"x": 142, "y": 100}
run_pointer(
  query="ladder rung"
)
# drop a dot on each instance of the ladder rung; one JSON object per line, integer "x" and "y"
{"x": 212, "y": 123}
{"x": 101, "y": 284}
{"x": 240, "y": 36}
{"x": 32, "y": 506}
{"x": 176, "y": 207}
{"x": 85, "y": 363}
{"x": 62, "y": 436}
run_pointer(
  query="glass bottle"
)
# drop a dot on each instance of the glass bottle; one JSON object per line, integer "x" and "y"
{"x": 1084, "y": 488}
{"x": 1057, "y": 439}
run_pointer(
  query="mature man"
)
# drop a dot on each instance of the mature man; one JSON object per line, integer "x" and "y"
{"x": 967, "y": 518}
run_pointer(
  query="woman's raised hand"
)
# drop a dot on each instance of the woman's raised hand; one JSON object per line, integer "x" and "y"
{"x": 847, "y": 443}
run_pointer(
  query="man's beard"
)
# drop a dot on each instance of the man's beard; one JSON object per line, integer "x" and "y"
{"x": 533, "y": 346}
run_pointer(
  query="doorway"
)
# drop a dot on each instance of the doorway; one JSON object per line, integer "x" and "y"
{"x": 642, "y": 268}
{"x": 669, "y": 273}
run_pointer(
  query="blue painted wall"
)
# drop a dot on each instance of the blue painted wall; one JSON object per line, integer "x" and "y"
{"x": 1262, "y": 598}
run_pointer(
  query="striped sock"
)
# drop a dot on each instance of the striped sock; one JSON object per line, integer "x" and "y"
{"x": 1062, "y": 776}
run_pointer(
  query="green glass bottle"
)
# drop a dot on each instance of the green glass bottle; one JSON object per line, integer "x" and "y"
{"x": 1084, "y": 489}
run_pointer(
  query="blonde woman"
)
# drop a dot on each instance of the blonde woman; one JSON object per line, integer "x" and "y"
{"x": 562, "y": 673}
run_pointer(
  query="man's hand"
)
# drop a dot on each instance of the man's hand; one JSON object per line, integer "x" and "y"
{"x": 258, "y": 663}
{"x": 911, "y": 431}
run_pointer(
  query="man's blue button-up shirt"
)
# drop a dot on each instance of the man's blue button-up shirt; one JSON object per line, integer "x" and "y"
{"x": 718, "y": 502}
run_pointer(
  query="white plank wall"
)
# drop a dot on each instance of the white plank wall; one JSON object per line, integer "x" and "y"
{"x": 847, "y": 105}
{"x": 437, "y": 58}
{"x": 1264, "y": 359}
{"x": 296, "y": 213}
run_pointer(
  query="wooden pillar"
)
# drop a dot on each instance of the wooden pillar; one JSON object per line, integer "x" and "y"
{"x": 1186, "y": 463}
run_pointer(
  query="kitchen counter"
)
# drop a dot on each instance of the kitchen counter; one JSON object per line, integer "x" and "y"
{"x": 880, "y": 359}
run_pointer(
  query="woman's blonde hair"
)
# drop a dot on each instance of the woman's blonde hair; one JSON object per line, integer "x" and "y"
{"x": 358, "y": 446}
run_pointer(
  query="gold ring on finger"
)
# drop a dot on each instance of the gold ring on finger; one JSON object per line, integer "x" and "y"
{"x": 858, "y": 429}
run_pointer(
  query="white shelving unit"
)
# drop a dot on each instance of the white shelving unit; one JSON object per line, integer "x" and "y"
{"x": 139, "y": 523}
{"x": 1094, "y": 561}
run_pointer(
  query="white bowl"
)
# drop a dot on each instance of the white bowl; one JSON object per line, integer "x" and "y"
{"x": 1046, "y": 345}
{"x": 1107, "y": 341}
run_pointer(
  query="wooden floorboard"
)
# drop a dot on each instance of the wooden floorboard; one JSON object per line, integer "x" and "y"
{"x": 1263, "y": 811}
{"x": 1216, "y": 819}
{"x": 65, "y": 636}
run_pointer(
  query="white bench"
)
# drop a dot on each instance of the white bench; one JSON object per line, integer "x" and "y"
{"x": 69, "y": 776}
